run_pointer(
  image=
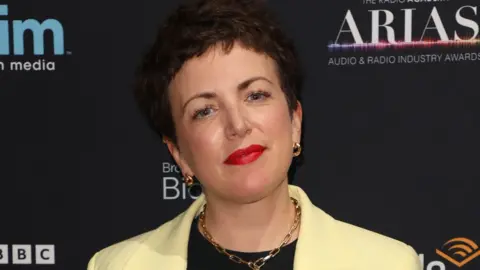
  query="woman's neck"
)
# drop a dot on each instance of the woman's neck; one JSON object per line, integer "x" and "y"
{"x": 253, "y": 227}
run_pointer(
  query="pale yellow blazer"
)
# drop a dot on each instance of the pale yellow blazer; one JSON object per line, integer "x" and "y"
{"x": 323, "y": 244}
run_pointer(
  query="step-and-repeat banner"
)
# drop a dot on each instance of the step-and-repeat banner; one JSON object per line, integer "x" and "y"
{"x": 392, "y": 125}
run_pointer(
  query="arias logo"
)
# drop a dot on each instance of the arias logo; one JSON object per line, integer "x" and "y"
{"x": 398, "y": 29}
{"x": 440, "y": 33}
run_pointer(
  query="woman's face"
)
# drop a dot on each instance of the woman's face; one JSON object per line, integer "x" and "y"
{"x": 225, "y": 102}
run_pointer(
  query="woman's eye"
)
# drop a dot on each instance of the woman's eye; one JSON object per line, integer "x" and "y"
{"x": 259, "y": 95}
{"x": 202, "y": 113}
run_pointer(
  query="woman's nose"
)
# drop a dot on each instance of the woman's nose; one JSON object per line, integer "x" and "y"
{"x": 237, "y": 123}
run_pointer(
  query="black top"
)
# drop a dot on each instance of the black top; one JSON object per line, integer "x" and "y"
{"x": 202, "y": 255}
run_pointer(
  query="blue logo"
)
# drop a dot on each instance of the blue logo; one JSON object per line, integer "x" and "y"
{"x": 19, "y": 27}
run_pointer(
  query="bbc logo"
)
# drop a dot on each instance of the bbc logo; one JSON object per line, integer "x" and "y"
{"x": 22, "y": 254}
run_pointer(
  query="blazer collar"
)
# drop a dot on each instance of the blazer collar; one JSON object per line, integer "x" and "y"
{"x": 166, "y": 247}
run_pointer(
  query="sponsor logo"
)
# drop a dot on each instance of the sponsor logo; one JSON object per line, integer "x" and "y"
{"x": 459, "y": 251}
{"x": 13, "y": 42}
{"x": 24, "y": 254}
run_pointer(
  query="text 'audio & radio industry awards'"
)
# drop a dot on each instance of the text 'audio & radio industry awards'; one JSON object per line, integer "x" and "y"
{"x": 404, "y": 59}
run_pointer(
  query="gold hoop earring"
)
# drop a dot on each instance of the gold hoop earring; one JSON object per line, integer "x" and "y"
{"x": 188, "y": 180}
{"x": 297, "y": 149}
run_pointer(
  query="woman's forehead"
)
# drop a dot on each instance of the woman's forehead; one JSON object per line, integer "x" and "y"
{"x": 217, "y": 69}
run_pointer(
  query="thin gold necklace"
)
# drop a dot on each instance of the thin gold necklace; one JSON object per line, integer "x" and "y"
{"x": 257, "y": 264}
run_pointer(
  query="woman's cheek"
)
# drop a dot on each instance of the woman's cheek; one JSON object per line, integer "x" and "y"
{"x": 206, "y": 137}
{"x": 278, "y": 119}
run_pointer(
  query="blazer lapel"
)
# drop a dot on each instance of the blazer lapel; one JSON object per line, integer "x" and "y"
{"x": 315, "y": 248}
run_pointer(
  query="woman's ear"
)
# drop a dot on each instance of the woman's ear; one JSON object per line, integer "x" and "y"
{"x": 297, "y": 117}
{"x": 177, "y": 156}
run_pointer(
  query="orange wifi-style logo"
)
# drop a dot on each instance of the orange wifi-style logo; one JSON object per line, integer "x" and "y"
{"x": 460, "y": 251}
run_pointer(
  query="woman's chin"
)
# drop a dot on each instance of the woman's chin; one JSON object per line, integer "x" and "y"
{"x": 252, "y": 190}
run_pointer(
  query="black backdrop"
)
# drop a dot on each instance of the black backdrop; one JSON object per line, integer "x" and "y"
{"x": 391, "y": 130}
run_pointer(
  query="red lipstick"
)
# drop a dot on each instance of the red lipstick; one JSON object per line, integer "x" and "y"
{"x": 245, "y": 155}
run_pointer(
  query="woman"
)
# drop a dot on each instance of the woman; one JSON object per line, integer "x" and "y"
{"x": 220, "y": 85}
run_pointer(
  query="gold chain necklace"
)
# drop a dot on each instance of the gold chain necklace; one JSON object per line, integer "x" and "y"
{"x": 257, "y": 264}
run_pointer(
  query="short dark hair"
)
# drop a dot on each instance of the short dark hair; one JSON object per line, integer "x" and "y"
{"x": 194, "y": 28}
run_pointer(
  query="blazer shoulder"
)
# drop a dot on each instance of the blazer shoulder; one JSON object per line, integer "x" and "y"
{"x": 117, "y": 255}
{"x": 166, "y": 241}
{"x": 376, "y": 250}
